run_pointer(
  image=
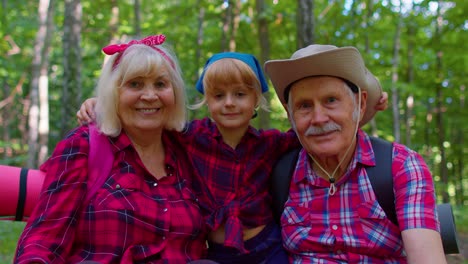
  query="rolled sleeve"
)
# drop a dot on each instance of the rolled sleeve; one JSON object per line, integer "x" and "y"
{"x": 415, "y": 200}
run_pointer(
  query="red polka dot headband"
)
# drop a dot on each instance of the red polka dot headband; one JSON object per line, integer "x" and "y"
{"x": 150, "y": 41}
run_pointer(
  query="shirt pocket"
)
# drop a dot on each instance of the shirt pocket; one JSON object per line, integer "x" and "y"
{"x": 296, "y": 227}
{"x": 295, "y": 215}
{"x": 117, "y": 198}
{"x": 376, "y": 232}
{"x": 120, "y": 195}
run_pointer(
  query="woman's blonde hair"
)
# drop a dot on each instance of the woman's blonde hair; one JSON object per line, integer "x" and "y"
{"x": 137, "y": 60}
{"x": 229, "y": 71}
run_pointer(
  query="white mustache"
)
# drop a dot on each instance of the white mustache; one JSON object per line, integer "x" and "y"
{"x": 318, "y": 130}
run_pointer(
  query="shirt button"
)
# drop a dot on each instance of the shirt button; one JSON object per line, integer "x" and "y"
{"x": 165, "y": 210}
{"x": 155, "y": 184}
{"x": 163, "y": 238}
{"x": 117, "y": 186}
{"x": 334, "y": 227}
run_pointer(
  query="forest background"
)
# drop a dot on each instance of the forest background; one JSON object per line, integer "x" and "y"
{"x": 50, "y": 59}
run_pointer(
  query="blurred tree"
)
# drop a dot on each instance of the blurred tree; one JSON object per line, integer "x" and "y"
{"x": 38, "y": 108}
{"x": 305, "y": 23}
{"x": 430, "y": 106}
{"x": 264, "y": 43}
{"x": 72, "y": 89}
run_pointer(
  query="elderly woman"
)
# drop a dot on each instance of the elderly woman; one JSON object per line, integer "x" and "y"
{"x": 145, "y": 211}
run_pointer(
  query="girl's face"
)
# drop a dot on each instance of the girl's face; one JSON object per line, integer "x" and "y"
{"x": 231, "y": 105}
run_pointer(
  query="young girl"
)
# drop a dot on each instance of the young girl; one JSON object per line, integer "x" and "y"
{"x": 233, "y": 161}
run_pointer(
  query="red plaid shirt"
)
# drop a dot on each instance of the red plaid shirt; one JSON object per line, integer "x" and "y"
{"x": 133, "y": 218}
{"x": 350, "y": 226}
{"x": 235, "y": 182}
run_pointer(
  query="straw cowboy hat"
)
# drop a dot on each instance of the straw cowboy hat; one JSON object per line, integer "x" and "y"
{"x": 325, "y": 60}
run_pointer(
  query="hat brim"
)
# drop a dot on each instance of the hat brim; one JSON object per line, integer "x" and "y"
{"x": 345, "y": 63}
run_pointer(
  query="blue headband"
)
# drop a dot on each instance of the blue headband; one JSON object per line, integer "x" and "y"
{"x": 246, "y": 58}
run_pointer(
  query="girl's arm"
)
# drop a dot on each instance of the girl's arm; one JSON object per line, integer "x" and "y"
{"x": 86, "y": 114}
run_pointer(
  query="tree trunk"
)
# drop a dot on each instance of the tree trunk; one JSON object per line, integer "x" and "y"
{"x": 305, "y": 23}
{"x": 460, "y": 143}
{"x": 37, "y": 66}
{"x": 5, "y": 115}
{"x": 264, "y": 40}
{"x": 395, "y": 65}
{"x": 427, "y": 130}
{"x": 113, "y": 22}
{"x": 410, "y": 79}
{"x": 409, "y": 119}
{"x": 113, "y": 25}
{"x": 352, "y": 20}
{"x": 367, "y": 23}
{"x": 137, "y": 13}
{"x": 370, "y": 11}
{"x": 227, "y": 18}
{"x": 201, "y": 17}
{"x": 44, "y": 89}
{"x": 234, "y": 28}
{"x": 71, "y": 92}
{"x": 440, "y": 132}
{"x": 6, "y": 103}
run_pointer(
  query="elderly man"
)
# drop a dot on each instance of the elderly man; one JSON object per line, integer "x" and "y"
{"x": 331, "y": 215}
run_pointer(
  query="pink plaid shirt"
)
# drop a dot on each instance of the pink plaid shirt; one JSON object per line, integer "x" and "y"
{"x": 133, "y": 217}
{"x": 234, "y": 183}
{"x": 350, "y": 226}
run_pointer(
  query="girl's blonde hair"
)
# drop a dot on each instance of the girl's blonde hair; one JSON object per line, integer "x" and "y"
{"x": 230, "y": 71}
{"x": 137, "y": 60}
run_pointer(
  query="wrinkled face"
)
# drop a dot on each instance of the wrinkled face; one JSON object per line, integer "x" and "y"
{"x": 324, "y": 113}
{"x": 146, "y": 102}
{"x": 231, "y": 105}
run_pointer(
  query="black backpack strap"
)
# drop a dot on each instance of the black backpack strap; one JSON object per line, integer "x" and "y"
{"x": 381, "y": 177}
{"x": 23, "y": 182}
{"x": 280, "y": 181}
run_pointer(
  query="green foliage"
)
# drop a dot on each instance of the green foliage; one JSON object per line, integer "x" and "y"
{"x": 371, "y": 28}
{"x": 9, "y": 233}
{"x": 460, "y": 214}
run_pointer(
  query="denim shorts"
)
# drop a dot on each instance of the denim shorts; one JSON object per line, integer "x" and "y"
{"x": 264, "y": 248}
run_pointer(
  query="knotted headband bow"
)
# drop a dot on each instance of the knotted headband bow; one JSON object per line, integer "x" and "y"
{"x": 150, "y": 41}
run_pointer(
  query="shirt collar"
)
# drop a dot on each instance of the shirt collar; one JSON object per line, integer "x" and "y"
{"x": 363, "y": 155}
{"x": 122, "y": 142}
{"x": 251, "y": 132}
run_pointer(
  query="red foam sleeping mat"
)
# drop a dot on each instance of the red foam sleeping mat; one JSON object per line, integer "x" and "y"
{"x": 19, "y": 192}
